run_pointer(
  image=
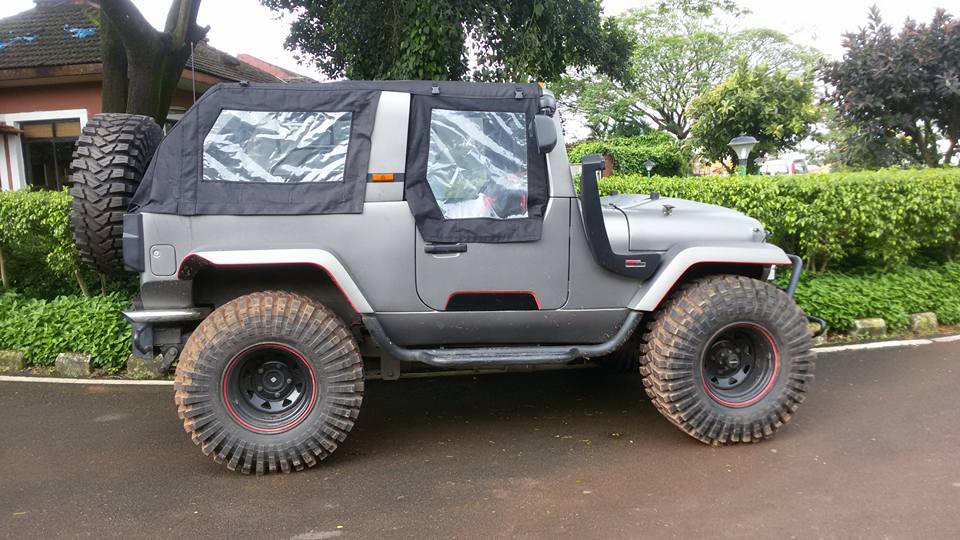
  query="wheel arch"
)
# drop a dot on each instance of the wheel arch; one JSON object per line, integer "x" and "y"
{"x": 223, "y": 275}
{"x": 750, "y": 260}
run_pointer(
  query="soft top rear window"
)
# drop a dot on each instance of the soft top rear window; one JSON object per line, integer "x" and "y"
{"x": 277, "y": 147}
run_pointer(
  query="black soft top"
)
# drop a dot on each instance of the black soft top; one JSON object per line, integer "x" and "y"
{"x": 173, "y": 182}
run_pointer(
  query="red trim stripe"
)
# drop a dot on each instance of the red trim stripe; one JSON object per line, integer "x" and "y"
{"x": 687, "y": 269}
{"x": 273, "y": 263}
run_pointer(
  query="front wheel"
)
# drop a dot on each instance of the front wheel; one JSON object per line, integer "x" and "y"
{"x": 269, "y": 382}
{"x": 727, "y": 359}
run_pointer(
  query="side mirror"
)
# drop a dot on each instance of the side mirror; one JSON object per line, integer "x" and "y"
{"x": 546, "y": 133}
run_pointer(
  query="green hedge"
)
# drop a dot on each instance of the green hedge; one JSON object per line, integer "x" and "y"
{"x": 878, "y": 219}
{"x": 42, "y": 329}
{"x": 893, "y": 296}
{"x": 36, "y": 244}
{"x": 630, "y": 153}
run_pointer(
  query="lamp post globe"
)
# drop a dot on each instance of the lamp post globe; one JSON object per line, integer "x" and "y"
{"x": 742, "y": 146}
{"x": 649, "y": 165}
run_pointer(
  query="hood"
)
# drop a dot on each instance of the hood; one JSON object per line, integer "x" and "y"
{"x": 659, "y": 224}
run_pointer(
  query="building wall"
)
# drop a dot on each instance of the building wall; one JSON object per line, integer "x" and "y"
{"x": 56, "y": 97}
{"x": 184, "y": 98}
{"x": 51, "y": 102}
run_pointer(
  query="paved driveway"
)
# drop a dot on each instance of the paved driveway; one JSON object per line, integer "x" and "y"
{"x": 874, "y": 453}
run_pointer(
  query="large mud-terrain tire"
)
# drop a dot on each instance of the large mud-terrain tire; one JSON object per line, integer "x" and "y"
{"x": 269, "y": 382}
{"x": 727, "y": 359}
{"x": 111, "y": 155}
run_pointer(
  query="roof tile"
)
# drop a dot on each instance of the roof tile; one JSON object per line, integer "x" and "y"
{"x": 65, "y": 33}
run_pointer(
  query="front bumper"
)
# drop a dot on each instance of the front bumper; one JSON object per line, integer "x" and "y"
{"x": 792, "y": 288}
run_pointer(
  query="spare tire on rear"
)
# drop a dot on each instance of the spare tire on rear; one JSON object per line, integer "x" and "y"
{"x": 111, "y": 155}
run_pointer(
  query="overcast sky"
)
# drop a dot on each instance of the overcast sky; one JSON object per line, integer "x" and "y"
{"x": 244, "y": 26}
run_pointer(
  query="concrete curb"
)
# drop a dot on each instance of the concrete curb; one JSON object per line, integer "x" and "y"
{"x": 93, "y": 382}
{"x": 128, "y": 382}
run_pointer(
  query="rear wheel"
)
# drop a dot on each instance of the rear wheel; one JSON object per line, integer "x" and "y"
{"x": 727, "y": 359}
{"x": 269, "y": 382}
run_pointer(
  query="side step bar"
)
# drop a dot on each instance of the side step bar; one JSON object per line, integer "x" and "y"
{"x": 501, "y": 356}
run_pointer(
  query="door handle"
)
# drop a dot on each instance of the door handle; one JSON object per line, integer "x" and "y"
{"x": 439, "y": 249}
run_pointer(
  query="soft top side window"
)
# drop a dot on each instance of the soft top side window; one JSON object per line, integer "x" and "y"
{"x": 477, "y": 165}
{"x": 277, "y": 147}
{"x": 474, "y": 169}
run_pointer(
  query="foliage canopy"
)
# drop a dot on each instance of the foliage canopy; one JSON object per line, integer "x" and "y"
{"x": 900, "y": 90}
{"x": 769, "y": 104}
{"x": 489, "y": 40}
{"x": 683, "y": 48}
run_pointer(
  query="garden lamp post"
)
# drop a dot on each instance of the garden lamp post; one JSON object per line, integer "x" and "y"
{"x": 742, "y": 146}
{"x": 760, "y": 161}
{"x": 649, "y": 165}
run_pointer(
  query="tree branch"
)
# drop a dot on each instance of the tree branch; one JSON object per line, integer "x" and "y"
{"x": 181, "y": 23}
{"x": 128, "y": 23}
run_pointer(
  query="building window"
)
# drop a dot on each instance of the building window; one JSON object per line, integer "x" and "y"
{"x": 48, "y": 150}
{"x": 174, "y": 115}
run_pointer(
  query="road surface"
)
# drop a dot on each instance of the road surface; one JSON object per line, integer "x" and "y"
{"x": 873, "y": 453}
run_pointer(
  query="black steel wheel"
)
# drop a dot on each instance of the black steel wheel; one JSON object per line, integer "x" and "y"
{"x": 269, "y": 382}
{"x": 727, "y": 359}
{"x": 269, "y": 387}
{"x": 740, "y": 364}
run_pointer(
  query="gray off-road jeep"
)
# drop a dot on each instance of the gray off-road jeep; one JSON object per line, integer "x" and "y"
{"x": 290, "y": 236}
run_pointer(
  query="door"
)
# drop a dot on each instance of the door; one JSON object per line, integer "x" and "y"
{"x": 499, "y": 276}
{"x": 492, "y": 239}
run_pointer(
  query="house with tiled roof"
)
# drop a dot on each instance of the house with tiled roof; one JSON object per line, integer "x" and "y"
{"x": 51, "y": 75}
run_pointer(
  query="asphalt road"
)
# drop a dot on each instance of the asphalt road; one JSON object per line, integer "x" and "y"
{"x": 873, "y": 453}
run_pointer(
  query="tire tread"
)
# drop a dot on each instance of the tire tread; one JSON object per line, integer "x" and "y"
{"x": 270, "y": 313}
{"x": 669, "y": 357}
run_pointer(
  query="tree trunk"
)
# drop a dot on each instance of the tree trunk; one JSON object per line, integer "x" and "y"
{"x": 4, "y": 278}
{"x": 153, "y": 61}
{"x": 83, "y": 284}
{"x": 115, "y": 81}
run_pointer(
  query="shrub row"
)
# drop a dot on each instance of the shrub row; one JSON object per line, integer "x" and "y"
{"x": 841, "y": 298}
{"x": 630, "y": 153}
{"x": 42, "y": 329}
{"x": 36, "y": 245}
{"x": 880, "y": 218}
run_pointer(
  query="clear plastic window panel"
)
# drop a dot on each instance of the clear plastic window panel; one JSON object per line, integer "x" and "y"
{"x": 277, "y": 147}
{"x": 477, "y": 166}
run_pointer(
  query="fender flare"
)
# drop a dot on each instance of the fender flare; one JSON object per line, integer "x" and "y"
{"x": 649, "y": 298}
{"x": 323, "y": 259}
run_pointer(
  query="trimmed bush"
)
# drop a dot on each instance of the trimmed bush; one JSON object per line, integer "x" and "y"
{"x": 841, "y": 298}
{"x": 880, "y": 218}
{"x": 630, "y": 153}
{"x": 37, "y": 249}
{"x": 36, "y": 243}
{"x": 41, "y": 329}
